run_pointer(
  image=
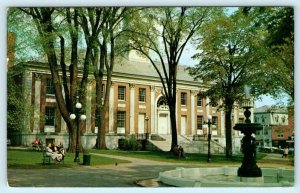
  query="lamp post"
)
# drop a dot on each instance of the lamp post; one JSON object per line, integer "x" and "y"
{"x": 147, "y": 133}
{"x": 82, "y": 117}
{"x": 209, "y": 123}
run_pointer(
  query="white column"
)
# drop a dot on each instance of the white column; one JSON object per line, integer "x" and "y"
{"x": 222, "y": 123}
{"x": 207, "y": 106}
{"x": 37, "y": 103}
{"x": 152, "y": 106}
{"x": 193, "y": 94}
{"x": 111, "y": 109}
{"x": 132, "y": 106}
{"x": 27, "y": 80}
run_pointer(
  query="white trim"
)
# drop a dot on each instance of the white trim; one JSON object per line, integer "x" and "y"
{"x": 111, "y": 109}
{"x": 121, "y": 105}
{"x": 132, "y": 106}
{"x": 50, "y": 100}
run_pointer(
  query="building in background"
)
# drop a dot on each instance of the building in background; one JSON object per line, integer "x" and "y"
{"x": 136, "y": 107}
{"x": 278, "y": 126}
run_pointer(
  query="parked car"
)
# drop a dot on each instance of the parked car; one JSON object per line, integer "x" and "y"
{"x": 270, "y": 150}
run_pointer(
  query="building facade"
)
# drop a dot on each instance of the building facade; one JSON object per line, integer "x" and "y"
{"x": 277, "y": 126}
{"x": 136, "y": 107}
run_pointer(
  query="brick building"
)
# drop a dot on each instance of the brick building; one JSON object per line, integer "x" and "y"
{"x": 136, "y": 107}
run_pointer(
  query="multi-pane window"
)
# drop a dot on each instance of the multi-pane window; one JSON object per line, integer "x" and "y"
{"x": 121, "y": 93}
{"x": 50, "y": 116}
{"x": 199, "y": 100}
{"x": 121, "y": 119}
{"x": 215, "y": 121}
{"x": 183, "y": 98}
{"x": 142, "y": 94}
{"x": 199, "y": 122}
{"x": 50, "y": 86}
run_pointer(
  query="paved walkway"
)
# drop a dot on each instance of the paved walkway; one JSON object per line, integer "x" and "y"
{"x": 117, "y": 175}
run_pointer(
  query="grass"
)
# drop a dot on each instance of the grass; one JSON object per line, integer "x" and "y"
{"x": 169, "y": 157}
{"x": 33, "y": 159}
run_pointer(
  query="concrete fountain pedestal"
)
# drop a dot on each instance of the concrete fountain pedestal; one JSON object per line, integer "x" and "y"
{"x": 225, "y": 177}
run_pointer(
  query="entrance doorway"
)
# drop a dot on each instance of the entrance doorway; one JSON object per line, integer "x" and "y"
{"x": 141, "y": 126}
{"x": 183, "y": 121}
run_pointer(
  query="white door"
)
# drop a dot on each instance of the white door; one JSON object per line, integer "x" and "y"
{"x": 183, "y": 125}
{"x": 163, "y": 123}
{"x": 141, "y": 128}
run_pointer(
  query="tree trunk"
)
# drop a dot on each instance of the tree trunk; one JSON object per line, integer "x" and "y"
{"x": 228, "y": 133}
{"x": 228, "y": 127}
{"x": 172, "y": 109}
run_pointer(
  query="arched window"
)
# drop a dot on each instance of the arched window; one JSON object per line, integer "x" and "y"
{"x": 162, "y": 101}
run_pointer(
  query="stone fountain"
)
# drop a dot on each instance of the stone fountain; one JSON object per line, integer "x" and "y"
{"x": 247, "y": 175}
{"x": 248, "y": 146}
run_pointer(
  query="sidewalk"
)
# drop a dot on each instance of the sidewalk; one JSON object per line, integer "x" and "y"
{"x": 117, "y": 175}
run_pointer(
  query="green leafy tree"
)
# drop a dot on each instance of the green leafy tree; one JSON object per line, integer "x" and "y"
{"x": 161, "y": 35}
{"x": 230, "y": 57}
{"x": 102, "y": 29}
{"x": 51, "y": 24}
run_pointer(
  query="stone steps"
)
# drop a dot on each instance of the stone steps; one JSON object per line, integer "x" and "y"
{"x": 189, "y": 146}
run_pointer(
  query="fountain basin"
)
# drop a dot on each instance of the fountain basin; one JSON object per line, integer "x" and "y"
{"x": 226, "y": 177}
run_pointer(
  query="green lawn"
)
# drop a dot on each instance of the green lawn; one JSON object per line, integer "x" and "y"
{"x": 33, "y": 159}
{"x": 169, "y": 157}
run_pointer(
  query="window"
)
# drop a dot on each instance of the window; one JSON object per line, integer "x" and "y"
{"x": 183, "y": 98}
{"x": 241, "y": 120}
{"x": 283, "y": 119}
{"x": 121, "y": 119}
{"x": 263, "y": 119}
{"x": 199, "y": 122}
{"x": 50, "y": 116}
{"x": 121, "y": 93}
{"x": 142, "y": 94}
{"x": 277, "y": 118}
{"x": 199, "y": 100}
{"x": 215, "y": 122}
{"x": 50, "y": 87}
{"x": 255, "y": 119}
{"x": 279, "y": 134}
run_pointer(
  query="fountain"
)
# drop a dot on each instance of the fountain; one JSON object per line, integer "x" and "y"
{"x": 248, "y": 175}
{"x": 248, "y": 146}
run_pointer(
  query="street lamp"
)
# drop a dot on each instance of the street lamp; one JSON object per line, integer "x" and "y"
{"x": 207, "y": 126}
{"x": 82, "y": 117}
{"x": 147, "y": 133}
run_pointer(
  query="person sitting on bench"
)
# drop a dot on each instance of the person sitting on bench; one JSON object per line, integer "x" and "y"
{"x": 53, "y": 154}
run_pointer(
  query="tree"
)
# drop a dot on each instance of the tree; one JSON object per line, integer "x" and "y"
{"x": 230, "y": 57}
{"x": 280, "y": 41}
{"x": 102, "y": 29}
{"x": 48, "y": 22}
{"x": 162, "y": 34}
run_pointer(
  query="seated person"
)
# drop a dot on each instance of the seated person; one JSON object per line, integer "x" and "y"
{"x": 60, "y": 149}
{"x": 35, "y": 144}
{"x": 52, "y": 153}
{"x": 182, "y": 154}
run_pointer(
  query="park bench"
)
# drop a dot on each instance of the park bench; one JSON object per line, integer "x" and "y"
{"x": 47, "y": 159}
